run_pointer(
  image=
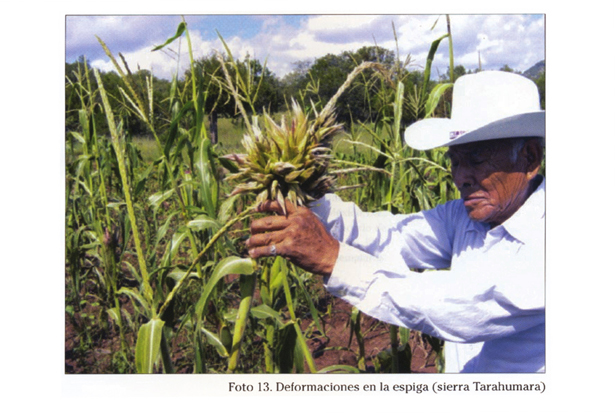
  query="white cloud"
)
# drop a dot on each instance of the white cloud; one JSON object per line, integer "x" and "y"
{"x": 516, "y": 40}
{"x": 120, "y": 33}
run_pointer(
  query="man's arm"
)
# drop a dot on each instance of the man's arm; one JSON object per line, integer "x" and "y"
{"x": 452, "y": 305}
{"x": 310, "y": 237}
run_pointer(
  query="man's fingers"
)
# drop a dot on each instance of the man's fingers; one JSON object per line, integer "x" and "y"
{"x": 274, "y": 206}
{"x": 260, "y": 240}
{"x": 270, "y": 223}
{"x": 270, "y": 206}
{"x": 264, "y": 251}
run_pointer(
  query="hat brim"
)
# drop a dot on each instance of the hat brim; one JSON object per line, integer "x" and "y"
{"x": 436, "y": 132}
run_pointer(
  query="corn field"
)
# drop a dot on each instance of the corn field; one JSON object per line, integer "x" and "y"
{"x": 156, "y": 266}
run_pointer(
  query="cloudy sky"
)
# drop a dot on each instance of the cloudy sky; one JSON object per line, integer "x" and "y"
{"x": 515, "y": 40}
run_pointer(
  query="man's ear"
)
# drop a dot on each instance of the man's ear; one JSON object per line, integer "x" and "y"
{"x": 532, "y": 152}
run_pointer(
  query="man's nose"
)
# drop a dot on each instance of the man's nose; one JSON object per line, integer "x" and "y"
{"x": 463, "y": 176}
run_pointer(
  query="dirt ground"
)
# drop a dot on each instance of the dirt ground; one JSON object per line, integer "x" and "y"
{"x": 334, "y": 347}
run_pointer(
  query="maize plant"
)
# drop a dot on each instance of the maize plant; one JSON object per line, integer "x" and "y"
{"x": 156, "y": 238}
{"x": 286, "y": 161}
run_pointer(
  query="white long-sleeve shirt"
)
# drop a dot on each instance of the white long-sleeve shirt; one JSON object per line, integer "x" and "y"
{"x": 487, "y": 302}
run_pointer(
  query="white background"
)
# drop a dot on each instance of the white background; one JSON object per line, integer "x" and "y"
{"x": 580, "y": 128}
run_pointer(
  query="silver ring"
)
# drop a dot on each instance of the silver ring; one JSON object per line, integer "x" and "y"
{"x": 273, "y": 251}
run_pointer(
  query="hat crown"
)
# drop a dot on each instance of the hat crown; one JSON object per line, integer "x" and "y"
{"x": 486, "y": 106}
{"x": 486, "y": 97}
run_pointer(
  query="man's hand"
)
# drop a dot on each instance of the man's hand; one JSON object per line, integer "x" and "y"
{"x": 299, "y": 237}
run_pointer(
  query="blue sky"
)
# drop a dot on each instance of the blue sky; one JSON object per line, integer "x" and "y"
{"x": 514, "y": 39}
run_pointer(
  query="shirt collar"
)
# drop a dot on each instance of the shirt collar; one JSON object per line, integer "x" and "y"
{"x": 525, "y": 224}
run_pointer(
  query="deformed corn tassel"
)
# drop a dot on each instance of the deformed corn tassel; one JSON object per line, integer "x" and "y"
{"x": 285, "y": 161}
{"x": 289, "y": 160}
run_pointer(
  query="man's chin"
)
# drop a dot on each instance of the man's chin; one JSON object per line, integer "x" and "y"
{"x": 479, "y": 214}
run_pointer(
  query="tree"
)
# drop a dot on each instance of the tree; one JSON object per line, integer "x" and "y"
{"x": 540, "y": 82}
{"x": 507, "y": 68}
{"x": 458, "y": 71}
{"x": 263, "y": 85}
{"x": 360, "y": 101}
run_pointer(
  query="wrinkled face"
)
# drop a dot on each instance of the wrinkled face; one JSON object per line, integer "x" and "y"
{"x": 492, "y": 185}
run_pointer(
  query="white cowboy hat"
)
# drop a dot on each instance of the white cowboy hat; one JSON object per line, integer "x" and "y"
{"x": 486, "y": 105}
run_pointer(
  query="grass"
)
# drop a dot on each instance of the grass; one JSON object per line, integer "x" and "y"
{"x": 230, "y": 133}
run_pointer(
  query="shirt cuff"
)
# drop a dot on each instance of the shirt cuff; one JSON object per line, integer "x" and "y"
{"x": 352, "y": 274}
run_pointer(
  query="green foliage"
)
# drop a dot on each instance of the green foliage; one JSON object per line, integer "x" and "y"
{"x": 540, "y": 82}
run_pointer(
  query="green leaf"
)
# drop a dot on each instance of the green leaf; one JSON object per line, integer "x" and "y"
{"x": 158, "y": 198}
{"x": 134, "y": 294}
{"x": 148, "y": 345}
{"x": 177, "y": 274}
{"x": 79, "y": 137}
{"x": 180, "y": 30}
{"x": 133, "y": 271}
{"x": 307, "y": 354}
{"x": 174, "y": 127}
{"x": 173, "y": 246}
{"x": 164, "y": 228}
{"x": 228, "y": 164}
{"x": 216, "y": 342}
{"x": 226, "y": 208}
{"x": 404, "y": 336}
{"x": 114, "y": 313}
{"x": 398, "y": 108}
{"x": 285, "y": 349}
{"x": 208, "y": 189}
{"x": 142, "y": 180}
{"x": 309, "y": 301}
{"x": 203, "y": 222}
{"x": 434, "y": 97}
{"x": 263, "y": 311}
{"x": 278, "y": 271}
{"x": 247, "y": 285}
{"x": 229, "y": 265}
{"x": 430, "y": 57}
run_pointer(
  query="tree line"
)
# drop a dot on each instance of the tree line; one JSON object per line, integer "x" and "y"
{"x": 310, "y": 83}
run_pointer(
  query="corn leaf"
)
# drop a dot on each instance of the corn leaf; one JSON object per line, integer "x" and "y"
{"x": 148, "y": 345}
{"x": 404, "y": 336}
{"x": 229, "y": 265}
{"x": 307, "y": 354}
{"x": 397, "y": 108}
{"x": 226, "y": 209}
{"x": 263, "y": 311}
{"x": 434, "y": 98}
{"x": 247, "y": 285}
{"x": 134, "y": 294}
{"x": 158, "y": 198}
{"x": 308, "y": 300}
{"x": 114, "y": 314}
{"x": 177, "y": 274}
{"x": 430, "y": 57}
{"x": 209, "y": 185}
{"x": 180, "y": 30}
{"x": 215, "y": 341}
{"x": 173, "y": 246}
{"x": 203, "y": 222}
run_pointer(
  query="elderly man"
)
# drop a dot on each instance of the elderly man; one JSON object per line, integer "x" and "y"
{"x": 487, "y": 302}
